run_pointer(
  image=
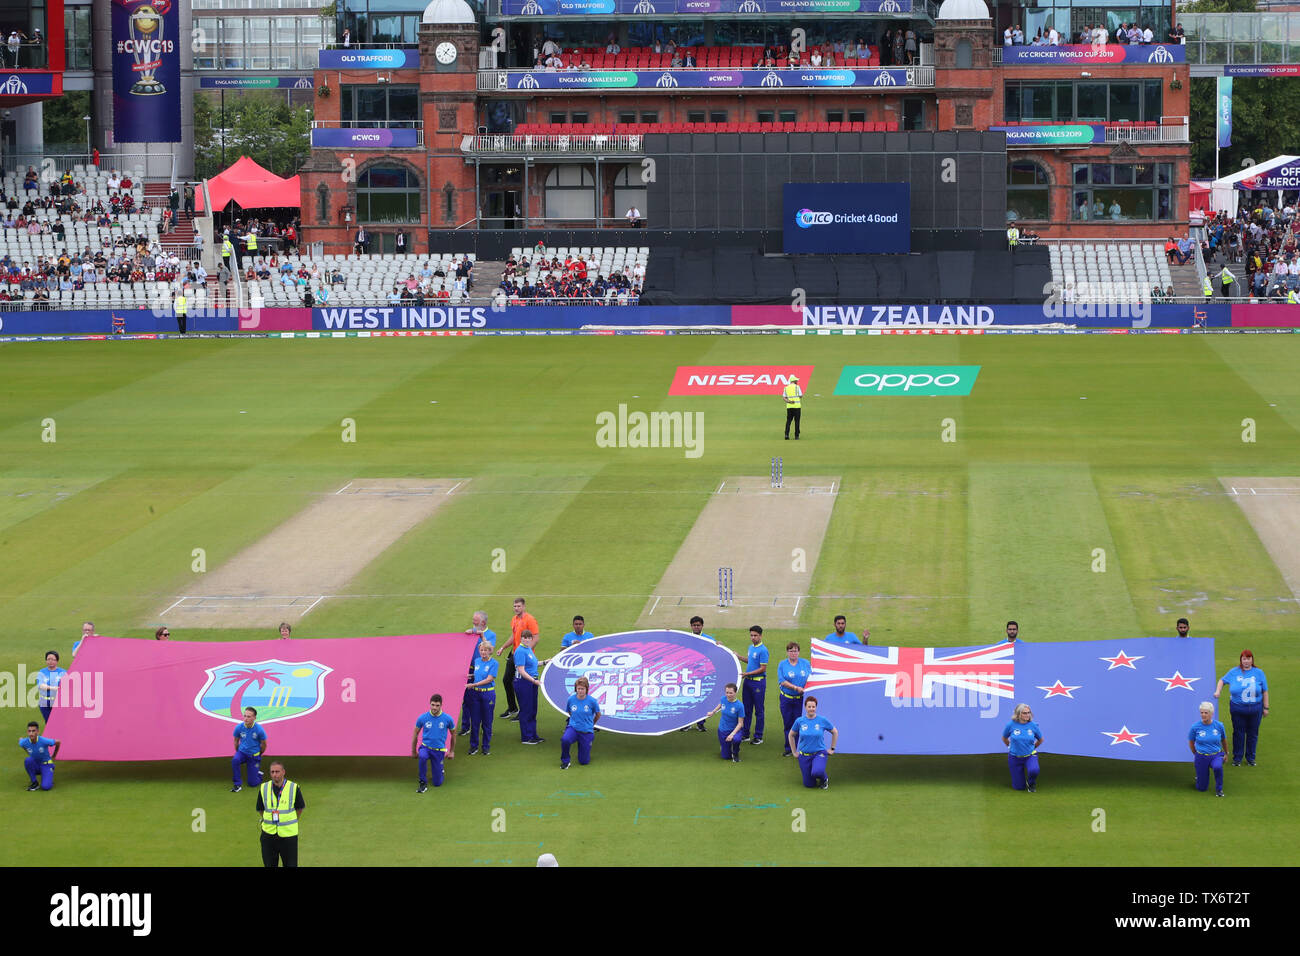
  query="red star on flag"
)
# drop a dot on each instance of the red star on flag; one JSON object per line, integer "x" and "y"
{"x": 1124, "y": 736}
{"x": 1121, "y": 660}
{"x": 1178, "y": 680}
{"x": 1060, "y": 690}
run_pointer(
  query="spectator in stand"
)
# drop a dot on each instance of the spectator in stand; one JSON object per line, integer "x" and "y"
{"x": 1008, "y": 37}
{"x": 1053, "y": 38}
{"x": 1148, "y": 36}
{"x": 816, "y": 58}
{"x": 1177, "y": 34}
{"x": 909, "y": 45}
{"x": 689, "y": 61}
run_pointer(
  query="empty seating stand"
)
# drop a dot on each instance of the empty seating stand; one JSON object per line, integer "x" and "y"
{"x": 1117, "y": 272}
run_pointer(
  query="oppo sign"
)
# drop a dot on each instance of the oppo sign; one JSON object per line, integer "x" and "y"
{"x": 907, "y": 380}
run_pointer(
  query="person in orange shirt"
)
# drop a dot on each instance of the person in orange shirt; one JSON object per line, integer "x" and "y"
{"x": 522, "y": 621}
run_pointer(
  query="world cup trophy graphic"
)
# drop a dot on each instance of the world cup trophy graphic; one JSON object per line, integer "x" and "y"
{"x": 146, "y": 25}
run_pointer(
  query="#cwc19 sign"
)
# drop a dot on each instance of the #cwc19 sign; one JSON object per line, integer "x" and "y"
{"x": 646, "y": 682}
{"x": 146, "y": 72}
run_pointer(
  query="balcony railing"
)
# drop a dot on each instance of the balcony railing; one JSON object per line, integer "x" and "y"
{"x": 1148, "y": 134}
{"x": 552, "y": 145}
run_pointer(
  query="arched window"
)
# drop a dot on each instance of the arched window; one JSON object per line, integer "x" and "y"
{"x": 570, "y": 193}
{"x": 388, "y": 194}
{"x": 963, "y": 55}
{"x": 322, "y": 204}
{"x": 630, "y": 190}
{"x": 1028, "y": 196}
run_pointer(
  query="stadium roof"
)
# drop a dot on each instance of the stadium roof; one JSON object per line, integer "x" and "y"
{"x": 251, "y": 187}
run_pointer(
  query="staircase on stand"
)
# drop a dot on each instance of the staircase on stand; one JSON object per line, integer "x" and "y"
{"x": 182, "y": 234}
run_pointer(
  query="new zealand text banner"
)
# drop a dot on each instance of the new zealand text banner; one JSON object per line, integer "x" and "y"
{"x": 146, "y": 71}
{"x": 1123, "y": 699}
{"x": 646, "y": 682}
{"x": 173, "y": 700}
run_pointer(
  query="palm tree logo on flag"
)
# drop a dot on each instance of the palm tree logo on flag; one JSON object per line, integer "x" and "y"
{"x": 280, "y": 690}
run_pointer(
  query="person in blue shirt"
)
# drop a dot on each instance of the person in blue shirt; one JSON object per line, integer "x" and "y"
{"x": 39, "y": 763}
{"x": 583, "y": 713}
{"x": 1024, "y": 738}
{"x": 732, "y": 724}
{"x": 1206, "y": 740}
{"x": 579, "y": 632}
{"x": 527, "y": 685}
{"x": 1013, "y": 632}
{"x": 808, "y": 739}
{"x": 791, "y": 675}
{"x": 50, "y": 676}
{"x": 436, "y": 738}
{"x": 479, "y": 627}
{"x": 482, "y": 695}
{"x": 1248, "y": 705}
{"x": 840, "y": 635}
{"x": 755, "y": 677}
{"x": 250, "y": 744}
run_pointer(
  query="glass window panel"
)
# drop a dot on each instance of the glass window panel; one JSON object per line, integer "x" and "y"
{"x": 383, "y": 177}
{"x": 1216, "y": 26}
{"x": 1100, "y": 174}
{"x": 369, "y": 105}
{"x": 1216, "y": 53}
{"x": 1144, "y": 174}
{"x": 404, "y": 105}
{"x": 1065, "y": 101}
{"x": 717, "y": 116}
{"x": 1244, "y": 53}
{"x": 787, "y": 116}
{"x": 1011, "y": 101}
{"x": 648, "y": 116}
{"x": 1164, "y": 204}
{"x": 1081, "y": 175}
{"x": 257, "y": 36}
{"x": 1090, "y": 99}
{"x": 1245, "y": 27}
{"x": 1272, "y": 26}
{"x": 1125, "y": 102}
{"x": 1122, "y": 175}
{"x": 1152, "y": 100}
{"x": 205, "y": 56}
{"x": 695, "y": 116}
{"x": 1039, "y": 101}
{"x": 855, "y": 116}
{"x": 1082, "y": 208}
{"x": 1031, "y": 204}
{"x": 1164, "y": 173}
{"x": 1122, "y": 204}
{"x": 1192, "y": 24}
{"x": 232, "y": 43}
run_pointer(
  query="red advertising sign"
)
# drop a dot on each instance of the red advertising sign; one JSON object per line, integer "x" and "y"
{"x": 737, "y": 379}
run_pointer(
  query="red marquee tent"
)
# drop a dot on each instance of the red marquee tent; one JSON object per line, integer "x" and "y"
{"x": 251, "y": 187}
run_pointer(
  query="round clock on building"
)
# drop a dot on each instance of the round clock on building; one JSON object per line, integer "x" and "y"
{"x": 446, "y": 53}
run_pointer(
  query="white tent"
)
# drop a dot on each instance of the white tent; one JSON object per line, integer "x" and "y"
{"x": 1225, "y": 192}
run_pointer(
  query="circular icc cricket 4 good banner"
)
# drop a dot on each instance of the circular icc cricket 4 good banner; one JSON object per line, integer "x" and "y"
{"x": 646, "y": 682}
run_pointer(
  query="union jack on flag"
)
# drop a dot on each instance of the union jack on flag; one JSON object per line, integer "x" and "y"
{"x": 915, "y": 671}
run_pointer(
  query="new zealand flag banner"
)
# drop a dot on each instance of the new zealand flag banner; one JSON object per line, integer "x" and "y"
{"x": 1129, "y": 699}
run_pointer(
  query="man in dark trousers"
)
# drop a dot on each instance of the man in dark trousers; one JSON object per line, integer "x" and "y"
{"x": 793, "y": 396}
{"x": 279, "y": 807}
{"x": 362, "y": 243}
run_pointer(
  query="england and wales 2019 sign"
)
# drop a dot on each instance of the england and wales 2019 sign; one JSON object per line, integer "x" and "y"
{"x": 146, "y": 72}
{"x": 646, "y": 682}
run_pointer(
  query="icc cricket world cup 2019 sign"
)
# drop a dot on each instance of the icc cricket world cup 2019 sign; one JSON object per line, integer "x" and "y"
{"x": 647, "y": 682}
{"x": 146, "y": 72}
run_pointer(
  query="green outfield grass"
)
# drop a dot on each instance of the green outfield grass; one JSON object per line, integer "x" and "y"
{"x": 1066, "y": 445}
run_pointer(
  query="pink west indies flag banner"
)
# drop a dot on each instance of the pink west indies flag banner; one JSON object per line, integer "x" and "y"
{"x": 174, "y": 700}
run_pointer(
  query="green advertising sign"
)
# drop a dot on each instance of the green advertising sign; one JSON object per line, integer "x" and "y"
{"x": 907, "y": 380}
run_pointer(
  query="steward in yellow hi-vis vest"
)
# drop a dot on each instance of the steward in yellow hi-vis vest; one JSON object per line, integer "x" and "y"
{"x": 793, "y": 396}
{"x": 250, "y": 241}
{"x": 1208, "y": 289}
{"x": 1013, "y": 237}
{"x": 279, "y": 806}
{"x": 181, "y": 307}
